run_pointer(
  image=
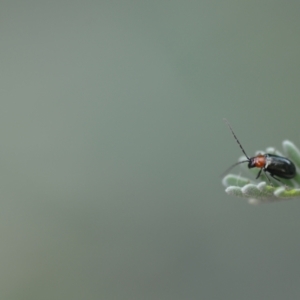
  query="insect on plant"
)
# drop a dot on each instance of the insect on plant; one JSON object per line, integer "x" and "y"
{"x": 275, "y": 165}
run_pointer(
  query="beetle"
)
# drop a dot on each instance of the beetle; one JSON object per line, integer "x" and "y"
{"x": 276, "y": 165}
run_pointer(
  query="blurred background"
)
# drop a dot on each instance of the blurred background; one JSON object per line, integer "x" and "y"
{"x": 113, "y": 140}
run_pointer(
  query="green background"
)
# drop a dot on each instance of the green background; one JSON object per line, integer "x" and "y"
{"x": 113, "y": 140}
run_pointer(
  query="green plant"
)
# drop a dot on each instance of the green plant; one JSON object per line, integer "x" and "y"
{"x": 266, "y": 191}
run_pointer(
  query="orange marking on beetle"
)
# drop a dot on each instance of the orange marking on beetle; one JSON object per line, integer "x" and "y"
{"x": 259, "y": 161}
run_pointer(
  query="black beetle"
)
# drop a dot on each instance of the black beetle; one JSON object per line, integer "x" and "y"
{"x": 274, "y": 164}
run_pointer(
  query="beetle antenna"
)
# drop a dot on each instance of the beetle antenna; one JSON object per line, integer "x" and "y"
{"x": 231, "y": 167}
{"x": 228, "y": 124}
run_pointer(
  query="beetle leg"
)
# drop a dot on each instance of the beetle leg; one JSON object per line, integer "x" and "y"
{"x": 267, "y": 175}
{"x": 272, "y": 175}
{"x": 258, "y": 173}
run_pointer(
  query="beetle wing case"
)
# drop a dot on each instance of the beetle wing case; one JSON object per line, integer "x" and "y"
{"x": 280, "y": 166}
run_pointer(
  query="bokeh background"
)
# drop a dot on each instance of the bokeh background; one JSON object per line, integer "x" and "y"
{"x": 112, "y": 143}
